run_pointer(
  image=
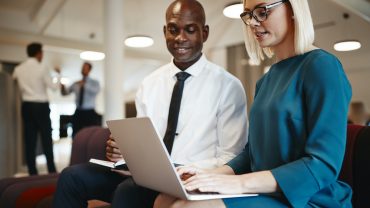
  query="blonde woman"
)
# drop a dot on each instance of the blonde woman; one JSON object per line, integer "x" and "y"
{"x": 297, "y": 121}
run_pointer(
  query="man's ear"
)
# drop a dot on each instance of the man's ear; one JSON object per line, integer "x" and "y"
{"x": 205, "y": 33}
{"x": 164, "y": 30}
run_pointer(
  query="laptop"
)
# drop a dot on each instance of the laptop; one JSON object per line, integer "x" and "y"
{"x": 148, "y": 160}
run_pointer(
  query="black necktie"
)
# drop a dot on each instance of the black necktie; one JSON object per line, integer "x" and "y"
{"x": 81, "y": 96}
{"x": 173, "y": 113}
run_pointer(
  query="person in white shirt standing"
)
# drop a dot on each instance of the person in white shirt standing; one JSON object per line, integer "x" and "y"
{"x": 33, "y": 80}
{"x": 207, "y": 130}
{"x": 85, "y": 91}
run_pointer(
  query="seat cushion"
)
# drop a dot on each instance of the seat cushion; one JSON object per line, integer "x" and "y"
{"x": 361, "y": 169}
{"x": 27, "y": 193}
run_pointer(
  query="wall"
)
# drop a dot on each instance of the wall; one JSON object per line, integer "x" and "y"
{"x": 360, "y": 81}
{"x": 237, "y": 64}
{"x": 10, "y": 127}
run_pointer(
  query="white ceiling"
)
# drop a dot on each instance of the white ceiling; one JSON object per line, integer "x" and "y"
{"x": 68, "y": 27}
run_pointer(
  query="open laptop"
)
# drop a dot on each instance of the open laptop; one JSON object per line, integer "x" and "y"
{"x": 148, "y": 160}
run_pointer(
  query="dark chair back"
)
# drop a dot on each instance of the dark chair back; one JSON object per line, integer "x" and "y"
{"x": 89, "y": 143}
{"x": 356, "y": 164}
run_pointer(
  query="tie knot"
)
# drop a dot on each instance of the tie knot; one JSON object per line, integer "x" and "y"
{"x": 182, "y": 76}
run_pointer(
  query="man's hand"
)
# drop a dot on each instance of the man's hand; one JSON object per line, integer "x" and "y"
{"x": 81, "y": 82}
{"x": 57, "y": 69}
{"x": 112, "y": 152}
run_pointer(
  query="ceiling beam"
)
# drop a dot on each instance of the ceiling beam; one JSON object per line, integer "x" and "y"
{"x": 36, "y": 9}
{"x": 45, "y": 12}
{"x": 360, "y": 8}
{"x": 10, "y": 37}
{"x": 22, "y": 38}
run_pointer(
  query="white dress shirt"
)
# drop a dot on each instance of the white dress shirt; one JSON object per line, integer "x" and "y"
{"x": 33, "y": 80}
{"x": 91, "y": 89}
{"x": 212, "y": 125}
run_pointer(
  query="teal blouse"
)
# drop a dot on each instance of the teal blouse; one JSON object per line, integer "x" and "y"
{"x": 297, "y": 129}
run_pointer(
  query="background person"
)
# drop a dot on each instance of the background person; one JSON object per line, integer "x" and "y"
{"x": 33, "y": 80}
{"x": 358, "y": 114}
{"x": 85, "y": 90}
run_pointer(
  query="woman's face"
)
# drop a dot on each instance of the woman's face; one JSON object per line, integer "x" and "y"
{"x": 277, "y": 29}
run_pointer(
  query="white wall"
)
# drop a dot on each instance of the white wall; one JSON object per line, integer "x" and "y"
{"x": 360, "y": 81}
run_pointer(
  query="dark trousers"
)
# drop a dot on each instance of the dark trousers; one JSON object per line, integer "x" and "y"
{"x": 36, "y": 120}
{"x": 84, "y": 118}
{"x": 79, "y": 183}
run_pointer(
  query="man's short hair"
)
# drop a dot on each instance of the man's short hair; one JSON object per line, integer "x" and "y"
{"x": 33, "y": 49}
{"x": 89, "y": 64}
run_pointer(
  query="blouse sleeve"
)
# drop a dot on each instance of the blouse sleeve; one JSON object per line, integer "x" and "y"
{"x": 241, "y": 163}
{"x": 327, "y": 93}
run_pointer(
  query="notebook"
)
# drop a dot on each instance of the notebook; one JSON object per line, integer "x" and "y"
{"x": 148, "y": 160}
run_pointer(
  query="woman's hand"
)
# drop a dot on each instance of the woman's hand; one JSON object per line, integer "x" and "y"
{"x": 218, "y": 183}
{"x": 257, "y": 182}
{"x": 203, "y": 180}
{"x": 186, "y": 172}
{"x": 112, "y": 152}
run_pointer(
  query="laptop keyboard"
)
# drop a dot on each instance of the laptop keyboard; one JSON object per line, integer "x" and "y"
{"x": 197, "y": 192}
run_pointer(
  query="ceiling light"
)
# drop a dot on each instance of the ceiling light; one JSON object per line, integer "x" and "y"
{"x": 92, "y": 56}
{"x": 348, "y": 45}
{"x": 139, "y": 41}
{"x": 233, "y": 10}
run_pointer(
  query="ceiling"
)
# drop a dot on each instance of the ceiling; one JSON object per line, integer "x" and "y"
{"x": 68, "y": 27}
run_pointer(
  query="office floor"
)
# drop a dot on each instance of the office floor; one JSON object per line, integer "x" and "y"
{"x": 62, "y": 154}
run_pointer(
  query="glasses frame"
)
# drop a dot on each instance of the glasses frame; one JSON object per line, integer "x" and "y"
{"x": 251, "y": 14}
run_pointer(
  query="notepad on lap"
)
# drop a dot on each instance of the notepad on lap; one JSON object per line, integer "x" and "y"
{"x": 107, "y": 163}
{"x": 148, "y": 160}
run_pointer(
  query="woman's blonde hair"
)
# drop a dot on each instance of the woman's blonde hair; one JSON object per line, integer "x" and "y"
{"x": 303, "y": 37}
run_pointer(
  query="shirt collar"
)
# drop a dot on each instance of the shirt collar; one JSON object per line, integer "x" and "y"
{"x": 193, "y": 70}
{"x": 32, "y": 59}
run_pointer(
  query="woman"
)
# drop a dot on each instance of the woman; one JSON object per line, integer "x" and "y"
{"x": 297, "y": 121}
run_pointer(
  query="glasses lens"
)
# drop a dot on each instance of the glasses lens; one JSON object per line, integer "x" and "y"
{"x": 260, "y": 14}
{"x": 246, "y": 17}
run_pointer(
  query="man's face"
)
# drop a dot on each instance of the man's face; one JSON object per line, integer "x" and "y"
{"x": 85, "y": 70}
{"x": 185, "y": 34}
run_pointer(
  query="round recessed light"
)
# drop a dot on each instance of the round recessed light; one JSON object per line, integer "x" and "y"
{"x": 139, "y": 41}
{"x": 92, "y": 56}
{"x": 233, "y": 10}
{"x": 348, "y": 45}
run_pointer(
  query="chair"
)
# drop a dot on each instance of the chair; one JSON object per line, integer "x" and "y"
{"x": 37, "y": 191}
{"x": 356, "y": 164}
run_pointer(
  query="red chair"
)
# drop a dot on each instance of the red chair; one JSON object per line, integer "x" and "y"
{"x": 37, "y": 191}
{"x": 356, "y": 164}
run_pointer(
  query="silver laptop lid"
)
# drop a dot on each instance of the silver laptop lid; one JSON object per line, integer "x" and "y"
{"x": 148, "y": 160}
{"x": 144, "y": 152}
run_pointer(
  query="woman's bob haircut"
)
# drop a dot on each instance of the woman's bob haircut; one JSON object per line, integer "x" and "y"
{"x": 303, "y": 37}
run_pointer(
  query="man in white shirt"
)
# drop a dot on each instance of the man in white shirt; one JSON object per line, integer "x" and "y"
{"x": 33, "y": 80}
{"x": 212, "y": 122}
{"x": 85, "y": 91}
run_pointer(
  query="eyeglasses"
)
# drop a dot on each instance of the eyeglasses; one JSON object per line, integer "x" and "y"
{"x": 259, "y": 13}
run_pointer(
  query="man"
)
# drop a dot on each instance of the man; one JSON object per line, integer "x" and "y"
{"x": 85, "y": 91}
{"x": 211, "y": 125}
{"x": 33, "y": 80}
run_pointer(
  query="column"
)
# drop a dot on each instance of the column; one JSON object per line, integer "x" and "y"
{"x": 113, "y": 41}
